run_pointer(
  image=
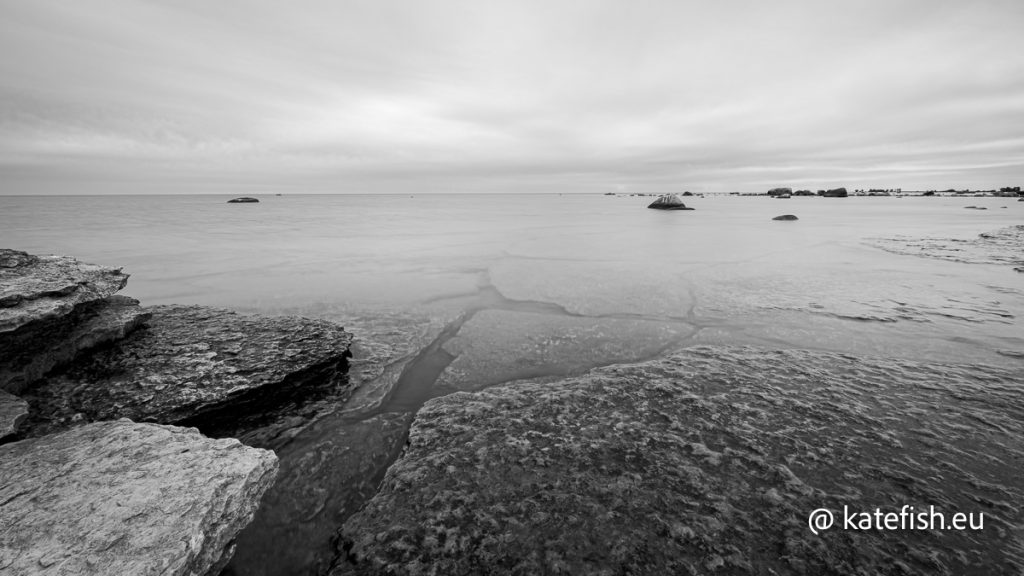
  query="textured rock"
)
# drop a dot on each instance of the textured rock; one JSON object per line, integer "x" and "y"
{"x": 28, "y": 353}
{"x": 34, "y": 288}
{"x": 669, "y": 202}
{"x": 13, "y": 411}
{"x": 786, "y": 217}
{"x": 126, "y": 498}
{"x": 1002, "y": 246}
{"x": 780, "y": 192}
{"x": 193, "y": 362}
{"x": 708, "y": 461}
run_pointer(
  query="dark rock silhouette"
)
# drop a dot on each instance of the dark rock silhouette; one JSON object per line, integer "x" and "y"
{"x": 786, "y": 217}
{"x": 669, "y": 202}
{"x": 243, "y": 200}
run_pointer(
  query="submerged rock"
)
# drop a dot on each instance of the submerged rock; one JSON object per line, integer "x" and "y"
{"x": 244, "y": 200}
{"x": 708, "y": 460}
{"x": 669, "y": 202}
{"x": 1002, "y": 246}
{"x": 36, "y": 288}
{"x": 126, "y": 498}
{"x": 28, "y": 353}
{"x": 13, "y": 411}
{"x": 196, "y": 365}
{"x": 786, "y": 217}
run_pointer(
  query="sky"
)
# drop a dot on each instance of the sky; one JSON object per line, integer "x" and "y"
{"x": 420, "y": 96}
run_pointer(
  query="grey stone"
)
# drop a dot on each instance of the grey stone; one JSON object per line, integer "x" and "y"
{"x": 669, "y": 202}
{"x": 786, "y": 217}
{"x": 34, "y": 288}
{"x": 193, "y": 362}
{"x": 126, "y": 498}
{"x": 28, "y": 353}
{"x": 13, "y": 411}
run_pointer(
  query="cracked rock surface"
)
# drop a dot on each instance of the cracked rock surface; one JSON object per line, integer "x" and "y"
{"x": 125, "y": 498}
{"x": 706, "y": 461}
{"x": 194, "y": 364}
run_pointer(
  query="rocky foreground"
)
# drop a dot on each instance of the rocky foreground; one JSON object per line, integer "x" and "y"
{"x": 126, "y": 498}
{"x": 120, "y": 497}
{"x": 708, "y": 461}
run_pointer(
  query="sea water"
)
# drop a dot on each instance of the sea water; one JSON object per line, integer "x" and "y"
{"x": 460, "y": 292}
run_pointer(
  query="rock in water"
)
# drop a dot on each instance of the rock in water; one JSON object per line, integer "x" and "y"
{"x": 786, "y": 217}
{"x": 244, "y": 200}
{"x": 707, "y": 461}
{"x": 669, "y": 202}
{"x": 126, "y": 498}
{"x": 34, "y": 288}
{"x": 13, "y": 411}
{"x": 28, "y": 353}
{"x": 193, "y": 362}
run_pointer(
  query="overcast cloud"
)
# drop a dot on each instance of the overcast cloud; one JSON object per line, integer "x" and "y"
{"x": 532, "y": 96}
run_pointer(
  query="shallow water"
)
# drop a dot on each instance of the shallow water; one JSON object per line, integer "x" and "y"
{"x": 459, "y": 292}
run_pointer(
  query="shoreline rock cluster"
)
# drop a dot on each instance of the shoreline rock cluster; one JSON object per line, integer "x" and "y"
{"x": 125, "y": 496}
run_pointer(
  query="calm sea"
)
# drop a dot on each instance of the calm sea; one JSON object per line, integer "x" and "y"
{"x": 816, "y": 282}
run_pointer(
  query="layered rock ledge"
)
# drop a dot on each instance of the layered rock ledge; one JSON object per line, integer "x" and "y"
{"x": 28, "y": 353}
{"x": 193, "y": 364}
{"x": 126, "y": 498}
{"x": 36, "y": 288}
{"x": 709, "y": 460}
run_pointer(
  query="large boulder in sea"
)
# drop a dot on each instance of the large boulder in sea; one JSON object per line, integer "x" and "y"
{"x": 786, "y": 217}
{"x": 126, "y": 498}
{"x": 669, "y": 202}
{"x": 707, "y": 461}
{"x": 54, "y": 307}
{"x": 13, "y": 411}
{"x": 194, "y": 364}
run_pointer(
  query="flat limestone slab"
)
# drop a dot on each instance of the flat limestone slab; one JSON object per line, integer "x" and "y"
{"x": 126, "y": 498}
{"x": 189, "y": 361}
{"x": 28, "y": 353}
{"x": 36, "y": 288}
{"x": 708, "y": 461}
{"x": 13, "y": 411}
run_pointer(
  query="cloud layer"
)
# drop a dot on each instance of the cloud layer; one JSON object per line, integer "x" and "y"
{"x": 531, "y": 96}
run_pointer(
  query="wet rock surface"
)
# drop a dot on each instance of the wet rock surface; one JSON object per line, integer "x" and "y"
{"x": 708, "y": 460}
{"x": 208, "y": 367}
{"x": 34, "y": 288}
{"x": 13, "y": 411}
{"x": 126, "y": 498}
{"x": 323, "y": 480}
{"x": 1002, "y": 246}
{"x": 28, "y": 353}
{"x": 497, "y": 346}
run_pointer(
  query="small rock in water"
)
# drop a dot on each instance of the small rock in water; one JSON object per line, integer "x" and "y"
{"x": 669, "y": 202}
{"x": 244, "y": 200}
{"x": 786, "y": 217}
